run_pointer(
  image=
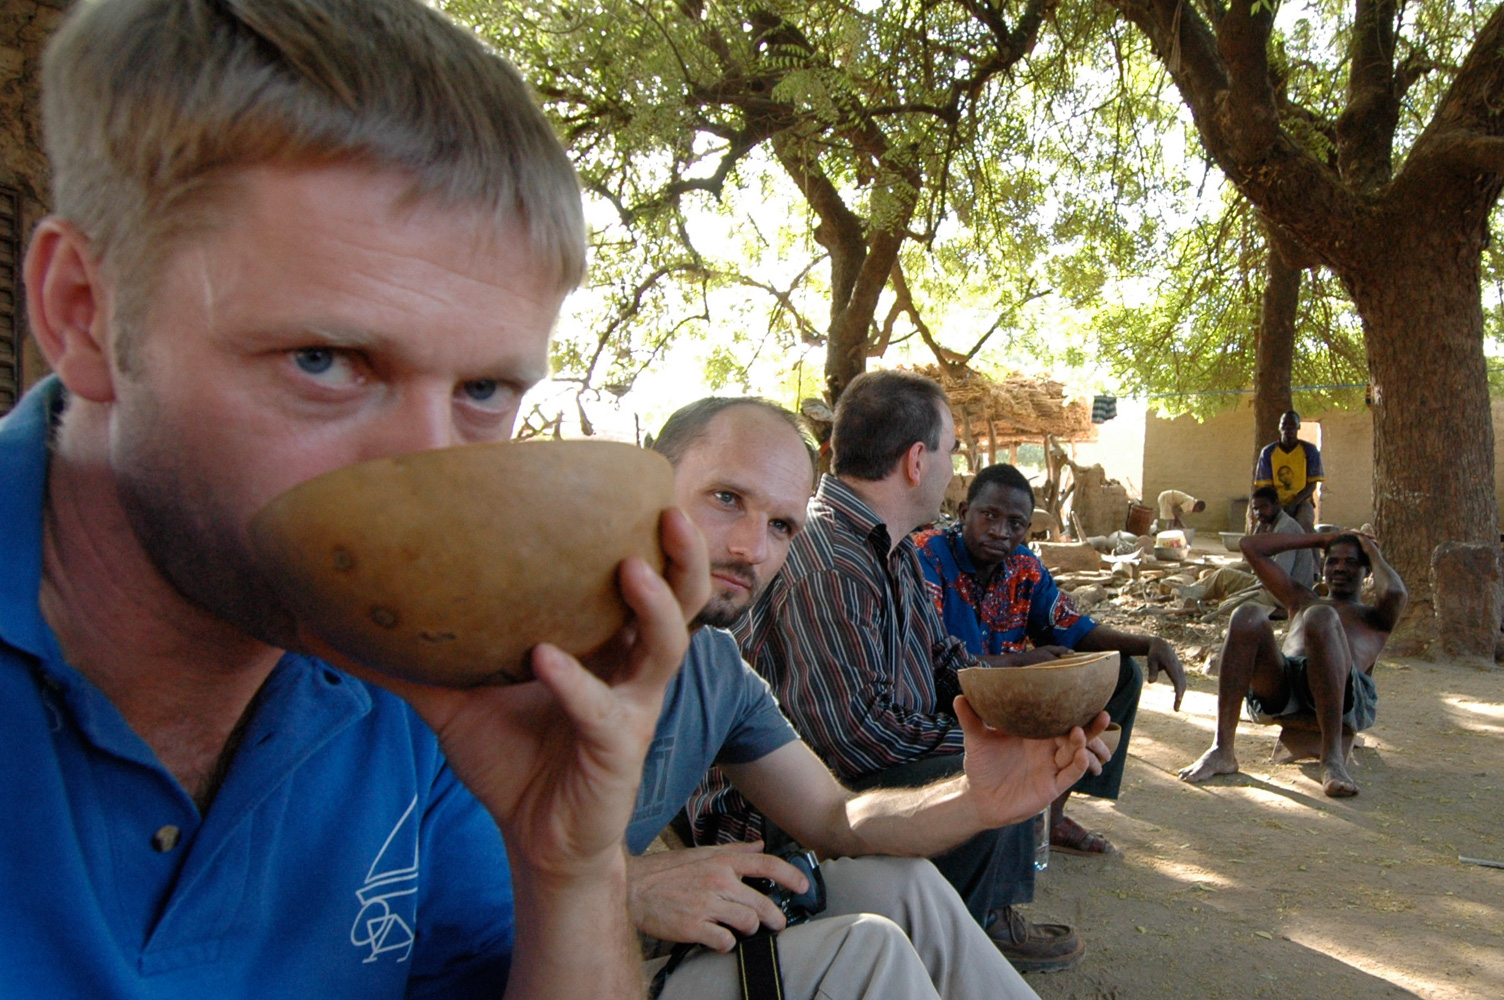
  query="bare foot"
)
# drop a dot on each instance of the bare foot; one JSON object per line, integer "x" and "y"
{"x": 1214, "y": 761}
{"x": 1335, "y": 780}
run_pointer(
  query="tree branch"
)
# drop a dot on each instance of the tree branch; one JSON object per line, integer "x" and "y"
{"x": 950, "y": 361}
{"x": 1365, "y": 129}
{"x": 1248, "y": 117}
{"x": 1228, "y": 90}
{"x": 1472, "y": 152}
{"x": 1475, "y": 101}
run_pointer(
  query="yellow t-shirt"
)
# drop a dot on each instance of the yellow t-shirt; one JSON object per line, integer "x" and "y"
{"x": 1288, "y": 471}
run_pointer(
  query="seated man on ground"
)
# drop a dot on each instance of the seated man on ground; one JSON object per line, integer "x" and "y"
{"x": 1231, "y": 588}
{"x": 1326, "y": 663}
{"x": 744, "y": 472}
{"x": 1272, "y": 519}
{"x": 1175, "y": 503}
{"x": 995, "y": 595}
{"x": 860, "y": 663}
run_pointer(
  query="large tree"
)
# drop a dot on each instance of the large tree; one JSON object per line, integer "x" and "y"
{"x": 1406, "y": 239}
{"x": 885, "y": 124}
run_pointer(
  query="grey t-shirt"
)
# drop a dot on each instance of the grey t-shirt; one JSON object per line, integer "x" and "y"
{"x": 1299, "y": 563}
{"x": 715, "y": 711}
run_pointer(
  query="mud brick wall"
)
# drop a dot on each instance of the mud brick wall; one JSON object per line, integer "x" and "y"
{"x": 1214, "y": 461}
{"x": 25, "y": 26}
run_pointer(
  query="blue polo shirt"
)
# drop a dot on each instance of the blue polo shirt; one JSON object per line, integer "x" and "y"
{"x": 340, "y": 858}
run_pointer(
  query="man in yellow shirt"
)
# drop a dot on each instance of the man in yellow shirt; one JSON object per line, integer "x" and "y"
{"x": 1293, "y": 468}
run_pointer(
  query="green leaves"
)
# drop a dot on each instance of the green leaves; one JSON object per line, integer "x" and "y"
{"x": 1054, "y": 210}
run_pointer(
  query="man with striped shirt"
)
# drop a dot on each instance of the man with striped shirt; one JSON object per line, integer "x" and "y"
{"x": 861, "y": 664}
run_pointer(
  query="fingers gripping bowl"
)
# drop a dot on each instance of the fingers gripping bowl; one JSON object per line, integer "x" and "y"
{"x": 1045, "y": 699}
{"x": 447, "y": 566}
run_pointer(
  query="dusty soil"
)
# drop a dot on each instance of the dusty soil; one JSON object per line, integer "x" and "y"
{"x": 1256, "y": 885}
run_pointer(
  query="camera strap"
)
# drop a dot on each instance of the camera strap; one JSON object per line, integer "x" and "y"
{"x": 758, "y": 971}
{"x": 757, "y": 961}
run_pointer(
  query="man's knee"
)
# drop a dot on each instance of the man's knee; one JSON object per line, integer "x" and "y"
{"x": 857, "y": 955}
{"x": 869, "y": 956}
{"x": 1248, "y": 624}
{"x": 890, "y": 886}
{"x": 1321, "y": 621}
{"x": 1324, "y": 635}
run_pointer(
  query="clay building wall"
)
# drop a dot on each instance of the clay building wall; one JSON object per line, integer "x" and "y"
{"x": 1214, "y": 460}
{"x": 25, "y": 26}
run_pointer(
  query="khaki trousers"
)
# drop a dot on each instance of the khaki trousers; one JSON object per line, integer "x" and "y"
{"x": 893, "y": 929}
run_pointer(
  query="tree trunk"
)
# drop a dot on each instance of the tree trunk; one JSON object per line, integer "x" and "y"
{"x": 1433, "y": 433}
{"x": 1275, "y": 353}
{"x": 1409, "y": 249}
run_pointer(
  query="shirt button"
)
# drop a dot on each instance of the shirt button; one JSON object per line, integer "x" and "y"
{"x": 165, "y": 839}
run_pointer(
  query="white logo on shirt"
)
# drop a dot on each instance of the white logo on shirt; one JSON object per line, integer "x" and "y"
{"x": 376, "y": 926}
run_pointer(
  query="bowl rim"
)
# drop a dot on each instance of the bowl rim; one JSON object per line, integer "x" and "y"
{"x": 1075, "y": 659}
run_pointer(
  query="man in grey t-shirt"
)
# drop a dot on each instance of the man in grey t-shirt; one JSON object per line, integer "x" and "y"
{"x": 1271, "y": 518}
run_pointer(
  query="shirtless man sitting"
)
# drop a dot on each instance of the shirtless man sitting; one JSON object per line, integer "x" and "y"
{"x": 1326, "y": 665}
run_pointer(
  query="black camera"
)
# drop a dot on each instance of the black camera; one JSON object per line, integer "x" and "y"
{"x": 797, "y": 907}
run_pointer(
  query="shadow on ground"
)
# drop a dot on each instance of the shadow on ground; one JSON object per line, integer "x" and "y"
{"x": 1256, "y": 885}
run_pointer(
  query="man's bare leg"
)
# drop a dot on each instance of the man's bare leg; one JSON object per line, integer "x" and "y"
{"x": 1330, "y": 663}
{"x": 1251, "y": 660}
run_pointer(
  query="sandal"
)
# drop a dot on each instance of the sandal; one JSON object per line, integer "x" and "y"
{"x": 1070, "y": 837}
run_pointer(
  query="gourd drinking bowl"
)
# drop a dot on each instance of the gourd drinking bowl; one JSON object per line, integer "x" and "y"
{"x": 1043, "y": 700}
{"x": 447, "y": 566}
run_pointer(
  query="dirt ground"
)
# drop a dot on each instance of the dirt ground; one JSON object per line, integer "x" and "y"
{"x": 1256, "y": 885}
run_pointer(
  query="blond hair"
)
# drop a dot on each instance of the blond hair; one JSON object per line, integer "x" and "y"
{"x": 149, "y": 106}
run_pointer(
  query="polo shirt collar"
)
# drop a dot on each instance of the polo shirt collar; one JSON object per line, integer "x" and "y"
{"x": 24, "y": 435}
{"x": 25, "y": 439}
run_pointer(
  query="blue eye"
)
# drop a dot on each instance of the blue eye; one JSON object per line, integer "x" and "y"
{"x": 314, "y": 360}
{"x": 481, "y": 389}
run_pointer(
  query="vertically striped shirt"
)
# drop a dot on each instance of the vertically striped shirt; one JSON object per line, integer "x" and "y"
{"x": 852, "y": 645}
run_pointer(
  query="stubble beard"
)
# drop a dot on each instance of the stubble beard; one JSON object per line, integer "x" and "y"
{"x": 195, "y": 543}
{"x": 722, "y": 611}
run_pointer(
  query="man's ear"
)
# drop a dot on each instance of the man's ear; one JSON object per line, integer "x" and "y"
{"x": 67, "y": 304}
{"x": 912, "y": 460}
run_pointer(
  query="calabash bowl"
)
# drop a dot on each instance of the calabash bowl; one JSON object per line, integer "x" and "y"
{"x": 446, "y": 567}
{"x": 1111, "y": 737}
{"x": 1045, "y": 699}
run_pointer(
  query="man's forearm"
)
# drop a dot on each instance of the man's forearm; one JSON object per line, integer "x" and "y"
{"x": 1386, "y": 581}
{"x": 1273, "y": 543}
{"x": 574, "y": 938}
{"x": 915, "y": 822}
{"x": 1102, "y": 638}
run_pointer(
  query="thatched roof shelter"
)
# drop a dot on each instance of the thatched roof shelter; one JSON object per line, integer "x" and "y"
{"x": 994, "y": 416}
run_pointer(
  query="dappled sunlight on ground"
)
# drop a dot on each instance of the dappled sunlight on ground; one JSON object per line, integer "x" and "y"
{"x": 1479, "y": 716}
{"x": 1256, "y": 885}
{"x": 1490, "y": 708}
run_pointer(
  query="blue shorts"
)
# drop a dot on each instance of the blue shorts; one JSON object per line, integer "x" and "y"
{"x": 1360, "y": 703}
